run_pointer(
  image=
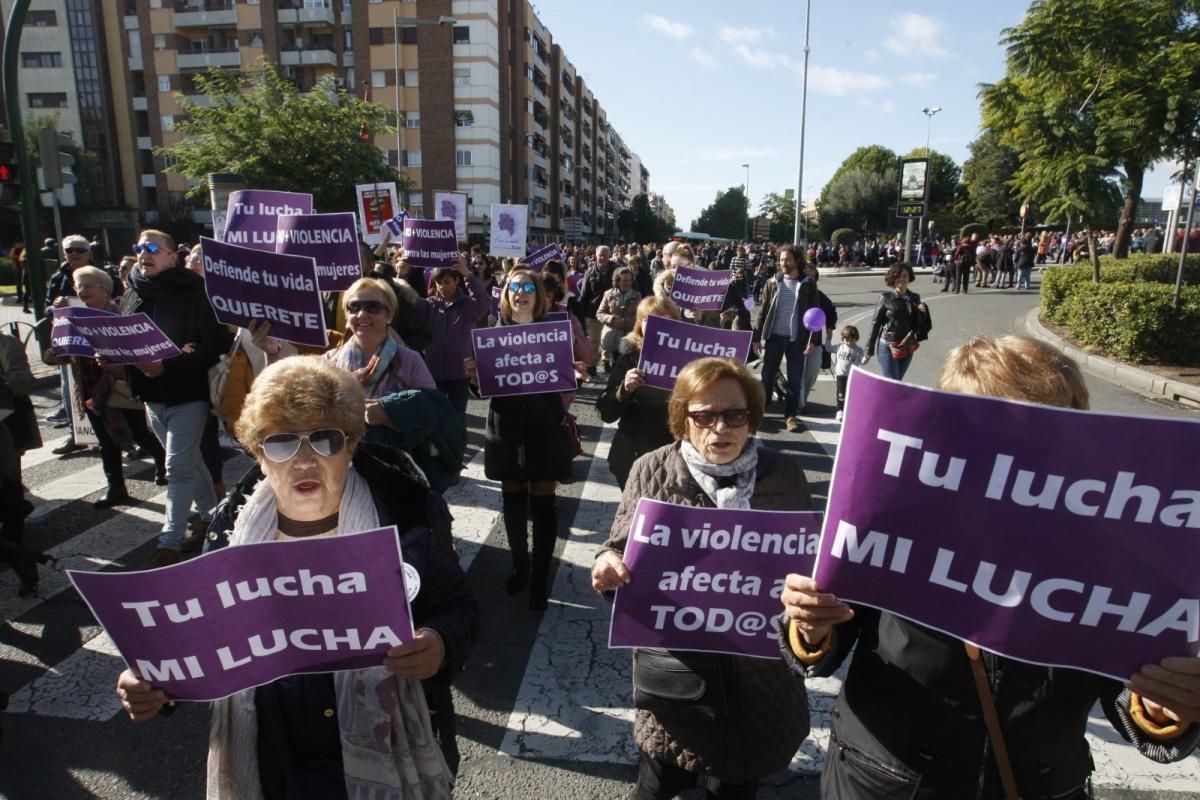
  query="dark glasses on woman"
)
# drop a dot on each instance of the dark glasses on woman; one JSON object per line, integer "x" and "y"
{"x": 78, "y": 250}
{"x": 326, "y": 442}
{"x": 734, "y": 417}
{"x": 365, "y": 306}
{"x": 517, "y": 287}
{"x": 149, "y": 247}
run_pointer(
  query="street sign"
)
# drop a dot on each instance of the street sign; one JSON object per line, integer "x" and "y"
{"x": 913, "y": 174}
{"x": 910, "y": 210}
{"x": 1024, "y": 209}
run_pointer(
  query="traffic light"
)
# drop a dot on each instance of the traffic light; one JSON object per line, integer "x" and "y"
{"x": 57, "y": 163}
{"x": 10, "y": 182}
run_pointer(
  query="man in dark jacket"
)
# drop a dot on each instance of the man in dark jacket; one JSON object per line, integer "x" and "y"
{"x": 596, "y": 281}
{"x": 175, "y": 390}
{"x": 78, "y": 254}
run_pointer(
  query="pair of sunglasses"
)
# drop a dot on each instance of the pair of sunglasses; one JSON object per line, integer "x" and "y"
{"x": 518, "y": 287}
{"x": 326, "y": 442}
{"x": 734, "y": 417}
{"x": 78, "y": 250}
{"x": 365, "y": 307}
{"x": 149, "y": 247}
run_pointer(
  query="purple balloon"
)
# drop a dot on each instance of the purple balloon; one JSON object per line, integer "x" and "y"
{"x": 748, "y": 303}
{"x": 814, "y": 319}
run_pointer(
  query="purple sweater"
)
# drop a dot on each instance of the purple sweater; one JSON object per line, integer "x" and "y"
{"x": 451, "y": 323}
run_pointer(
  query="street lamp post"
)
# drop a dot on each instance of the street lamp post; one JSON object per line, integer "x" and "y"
{"x": 748, "y": 230}
{"x": 928, "y": 111}
{"x": 401, "y": 120}
{"x": 799, "y": 234}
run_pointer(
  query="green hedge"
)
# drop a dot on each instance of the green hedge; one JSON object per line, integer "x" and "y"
{"x": 846, "y": 236}
{"x": 973, "y": 227}
{"x": 1136, "y": 322}
{"x": 1059, "y": 283}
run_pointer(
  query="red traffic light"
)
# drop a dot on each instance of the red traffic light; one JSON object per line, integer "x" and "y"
{"x": 8, "y": 173}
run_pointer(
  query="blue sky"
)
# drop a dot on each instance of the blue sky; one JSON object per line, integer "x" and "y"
{"x": 698, "y": 88}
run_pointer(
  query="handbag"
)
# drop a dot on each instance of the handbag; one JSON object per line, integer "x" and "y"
{"x": 905, "y": 347}
{"x": 218, "y": 376}
{"x": 571, "y": 425}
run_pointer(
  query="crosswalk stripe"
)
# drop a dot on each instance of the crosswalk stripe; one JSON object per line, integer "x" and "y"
{"x": 474, "y": 503}
{"x": 42, "y": 454}
{"x": 60, "y": 491}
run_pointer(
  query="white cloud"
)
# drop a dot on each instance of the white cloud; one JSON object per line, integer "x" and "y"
{"x": 742, "y": 35}
{"x": 839, "y": 82}
{"x": 703, "y": 57}
{"x": 922, "y": 79}
{"x": 871, "y": 57}
{"x": 761, "y": 58}
{"x": 676, "y": 30}
{"x": 915, "y": 36}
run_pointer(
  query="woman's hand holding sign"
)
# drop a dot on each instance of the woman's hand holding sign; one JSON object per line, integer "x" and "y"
{"x": 609, "y": 572}
{"x": 140, "y": 700}
{"x": 421, "y": 658}
{"x": 470, "y": 369}
{"x": 814, "y": 612}
{"x": 1170, "y": 690}
{"x": 633, "y": 380}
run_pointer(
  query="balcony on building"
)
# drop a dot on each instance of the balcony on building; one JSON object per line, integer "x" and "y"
{"x": 204, "y": 58}
{"x": 140, "y": 104}
{"x": 296, "y": 57}
{"x": 306, "y": 12}
{"x": 204, "y": 14}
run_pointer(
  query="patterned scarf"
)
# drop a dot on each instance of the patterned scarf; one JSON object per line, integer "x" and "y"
{"x": 714, "y": 479}
{"x": 384, "y": 382}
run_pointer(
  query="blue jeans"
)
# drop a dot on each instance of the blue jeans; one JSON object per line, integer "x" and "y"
{"x": 1023, "y": 276}
{"x": 889, "y": 367}
{"x": 180, "y": 429}
{"x": 776, "y": 349}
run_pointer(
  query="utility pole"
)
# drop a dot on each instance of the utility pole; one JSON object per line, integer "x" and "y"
{"x": 799, "y": 234}
{"x": 928, "y": 111}
{"x": 749, "y": 230}
{"x": 1183, "y": 248}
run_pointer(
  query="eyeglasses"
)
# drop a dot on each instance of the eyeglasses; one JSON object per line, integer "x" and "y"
{"x": 733, "y": 417}
{"x": 152, "y": 248}
{"x": 518, "y": 287}
{"x": 82, "y": 287}
{"x": 78, "y": 250}
{"x": 325, "y": 442}
{"x": 365, "y": 307}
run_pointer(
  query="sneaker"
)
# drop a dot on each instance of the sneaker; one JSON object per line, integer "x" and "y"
{"x": 58, "y": 416}
{"x": 838, "y": 416}
{"x": 67, "y": 448}
{"x": 163, "y": 557}
{"x": 794, "y": 425}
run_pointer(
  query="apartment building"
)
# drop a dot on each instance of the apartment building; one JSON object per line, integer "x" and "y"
{"x": 490, "y": 105}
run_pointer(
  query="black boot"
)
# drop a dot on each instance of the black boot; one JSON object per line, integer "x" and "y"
{"x": 23, "y": 562}
{"x": 516, "y": 528}
{"x": 12, "y": 511}
{"x": 115, "y": 496}
{"x": 545, "y": 535}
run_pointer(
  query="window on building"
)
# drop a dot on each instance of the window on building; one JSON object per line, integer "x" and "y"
{"x": 47, "y": 99}
{"x": 411, "y": 77}
{"x": 464, "y": 119}
{"x": 408, "y": 36}
{"x": 349, "y": 77}
{"x": 160, "y": 41}
{"x": 462, "y": 158}
{"x": 41, "y": 19}
{"x": 347, "y": 40}
{"x": 41, "y": 60}
{"x": 379, "y": 77}
{"x": 462, "y": 76}
{"x": 254, "y": 38}
{"x": 164, "y": 83}
{"x": 376, "y": 36}
{"x": 412, "y": 158}
{"x": 412, "y": 119}
{"x": 462, "y": 34}
{"x": 168, "y": 122}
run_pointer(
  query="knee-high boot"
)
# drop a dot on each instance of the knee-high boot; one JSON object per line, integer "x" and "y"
{"x": 516, "y": 527}
{"x": 545, "y": 534}
{"x": 12, "y": 511}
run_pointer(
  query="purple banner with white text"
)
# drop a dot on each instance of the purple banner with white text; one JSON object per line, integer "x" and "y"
{"x": 670, "y": 345}
{"x": 524, "y": 359}
{"x": 700, "y": 289}
{"x": 244, "y": 616}
{"x": 132, "y": 339}
{"x": 65, "y": 340}
{"x": 332, "y": 242}
{"x": 538, "y": 258}
{"x": 709, "y": 579}
{"x": 252, "y": 219}
{"x": 245, "y": 285}
{"x": 430, "y": 242}
{"x": 1058, "y": 537}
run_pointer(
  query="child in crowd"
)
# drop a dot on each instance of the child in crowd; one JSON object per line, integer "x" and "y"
{"x": 846, "y": 355}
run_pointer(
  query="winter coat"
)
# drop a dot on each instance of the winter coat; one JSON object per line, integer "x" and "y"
{"x": 753, "y": 713}
{"x": 806, "y": 298}
{"x": 908, "y": 721}
{"x": 895, "y": 316}
{"x": 451, "y": 323}
{"x": 15, "y": 372}
{"x": 175, "y": 300}
{"x": 616, "y": 313}
{"x": 641, "y": 417}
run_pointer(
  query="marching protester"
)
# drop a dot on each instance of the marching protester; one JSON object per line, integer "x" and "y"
{"x": 922, "y": 714}
{"x": 616, "y": 314}
{"x": 175, "y": 390}
{"x": 723, "y": 721}
{"x": 527, "y": 448}
{"x": 846, "y": 356}
{"x": 596, "y": 282}
{"x": 640, "y": 411}
{"x": 458, "y": 301}
{"x": 813, "y": 367}
{"x": 900, "y": 323}
{"x": 303, "y": 422}
{"x": 779, "y": 333}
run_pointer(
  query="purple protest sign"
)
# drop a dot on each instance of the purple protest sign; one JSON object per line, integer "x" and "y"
{"x": 524, "y": 359}
{"x": 538, "y": 258}
{"x": 65, "y": 340}
{"x": 243, "y": 616}
{"x": 396, "y": 224}
{"x": 245, "y": 285}
{"x": 430, "y": 242}
{"x": 496, "y": 292}
{"x": 331, "y": 240}
{"x": 1048, "y": 535}
{"x": 133, "y": 339}
{"x": 709, "y": 579}
{"x": 253, "y": 216}
{"x": 700, "y": 289}
{"x": 669, "y": 345}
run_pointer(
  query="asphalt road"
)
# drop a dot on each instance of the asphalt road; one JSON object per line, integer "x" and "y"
{"x": 543, "y": 706}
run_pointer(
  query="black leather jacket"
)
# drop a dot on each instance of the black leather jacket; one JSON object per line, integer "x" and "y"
{"x": 896, "y": 315}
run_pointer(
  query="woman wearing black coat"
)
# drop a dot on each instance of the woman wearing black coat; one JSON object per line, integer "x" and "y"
{"x": 900, "y": 323}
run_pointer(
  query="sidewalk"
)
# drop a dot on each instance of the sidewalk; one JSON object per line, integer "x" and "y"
{"x": 1127, "y": 375}
{"x": 10, "y": 312}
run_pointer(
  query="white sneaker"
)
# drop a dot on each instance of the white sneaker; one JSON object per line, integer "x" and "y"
{"x": 838, "y": 417}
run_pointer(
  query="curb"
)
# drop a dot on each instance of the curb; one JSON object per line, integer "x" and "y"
{"x": 1131, "y": 377}
{"x": 869, "y": 272}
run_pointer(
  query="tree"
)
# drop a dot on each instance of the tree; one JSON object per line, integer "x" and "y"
{"x": 859, "y": 198}
{"x": 639, "y": 223}
{"x": 726, "y": 217}
{"x": 264, "y": 128}
{"x": 780, "y": 210}
{"x": 1094, "y": 92}
{"x": 872, "y": 158}
{"x": 986, "y": 174}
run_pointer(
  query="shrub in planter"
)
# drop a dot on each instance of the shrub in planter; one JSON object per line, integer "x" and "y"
{"x": 1136, "y": 321}
{"x": 1059, "y": 282}
{"x": 846, "y": 236}
{"x": 973, "y": 227}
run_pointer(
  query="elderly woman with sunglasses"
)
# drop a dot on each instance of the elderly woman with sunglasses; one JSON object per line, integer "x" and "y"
{"x": 723, "y": 720}
{"x": 526, "y": 448}
{"x": 314, "y": 735}
{"x": 175, "y": 390}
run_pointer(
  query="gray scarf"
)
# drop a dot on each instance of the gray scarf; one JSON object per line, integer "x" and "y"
{"x": 743, "y": 469}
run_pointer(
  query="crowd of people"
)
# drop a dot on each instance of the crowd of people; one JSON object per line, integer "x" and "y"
{"x": 372, "y": 430}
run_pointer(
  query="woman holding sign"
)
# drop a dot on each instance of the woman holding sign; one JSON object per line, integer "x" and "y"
{"x": 923, "y": 714}
{"x": 527, "y": 449}
{"x": 723, "y": 720}
{"x": 351, "y": 733}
